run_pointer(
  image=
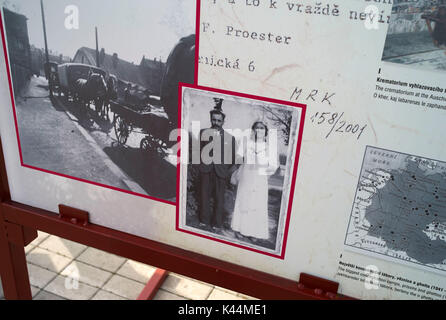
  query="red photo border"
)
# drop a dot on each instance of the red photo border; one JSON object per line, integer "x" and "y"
{"x": 8, "y": 70}
{"x": 294, "y": 174}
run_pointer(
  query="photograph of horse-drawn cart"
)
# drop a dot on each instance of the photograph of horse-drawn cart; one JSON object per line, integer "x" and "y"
{"x": 98, "y": 101}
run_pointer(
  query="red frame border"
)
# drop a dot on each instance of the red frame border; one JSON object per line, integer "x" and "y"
{"x": 294, "y": 175}
{"x": 8, "y": 70}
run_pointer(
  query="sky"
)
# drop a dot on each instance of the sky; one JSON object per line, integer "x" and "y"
{"x": 131, "y": 28}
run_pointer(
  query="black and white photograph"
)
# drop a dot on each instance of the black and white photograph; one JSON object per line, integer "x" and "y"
{"x": 95, "y": 88}
{"x": 237, "y": 165}
{"x": 417, "y": 34}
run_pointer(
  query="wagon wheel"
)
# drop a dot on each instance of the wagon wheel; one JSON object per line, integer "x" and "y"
{"x": 150, "y": 143}
{"x": 161, "y": 147}
{"x": 122, "y": 131}
{"x": 146, "y": 144}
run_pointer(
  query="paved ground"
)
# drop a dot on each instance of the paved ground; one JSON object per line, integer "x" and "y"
{"x": 51, "y": 140}
{"x": 415, "y": 49}
{"x": 54, "y": 264}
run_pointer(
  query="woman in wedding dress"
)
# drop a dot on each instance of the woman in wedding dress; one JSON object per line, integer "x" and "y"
{"x": 250, "y": 217}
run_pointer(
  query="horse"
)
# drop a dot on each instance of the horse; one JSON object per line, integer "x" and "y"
{"x": 111, "y": 94}
{"x": 91, "y": 89}
{"x": 180, "y": 67}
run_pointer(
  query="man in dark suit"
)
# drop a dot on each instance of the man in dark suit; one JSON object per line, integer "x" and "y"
{"x": 217, "y": 163}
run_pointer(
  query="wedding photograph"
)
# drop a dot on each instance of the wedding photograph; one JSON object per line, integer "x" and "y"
{"x": 238, "y": 157}
{"x": 95, "y": 88}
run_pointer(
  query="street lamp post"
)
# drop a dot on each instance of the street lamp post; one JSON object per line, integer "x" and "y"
{"x": 47, "y": 57}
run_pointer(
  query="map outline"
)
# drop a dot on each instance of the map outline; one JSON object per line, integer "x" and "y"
{"x": 392, "y": 256}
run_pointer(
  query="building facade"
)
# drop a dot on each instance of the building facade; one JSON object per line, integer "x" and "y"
{"x": 147, "y": 76}
{"x": 19, "y": 51}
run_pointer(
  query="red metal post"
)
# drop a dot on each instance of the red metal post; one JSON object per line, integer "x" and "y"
{"x": 190, "y": 264}
{"x": 13, "y": 238}
{"x": 152, "y": 286}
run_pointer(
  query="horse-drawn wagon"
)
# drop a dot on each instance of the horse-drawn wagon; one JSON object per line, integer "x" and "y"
{"x": 149, "y": 120}
{"x": 83, "y": 83}
{"x": 134, "y": 109}
{"x": 139, "y": 112}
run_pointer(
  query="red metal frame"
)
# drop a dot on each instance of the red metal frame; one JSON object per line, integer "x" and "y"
{"x": 19, "y": 222}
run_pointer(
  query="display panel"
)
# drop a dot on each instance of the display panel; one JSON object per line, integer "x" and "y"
{"x": 370, "y": 74}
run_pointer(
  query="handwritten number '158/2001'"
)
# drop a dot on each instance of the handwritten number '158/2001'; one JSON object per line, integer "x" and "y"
{"x": 337, "y": 124}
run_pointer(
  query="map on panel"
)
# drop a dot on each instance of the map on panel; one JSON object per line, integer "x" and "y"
{"x": 400, "y": 208}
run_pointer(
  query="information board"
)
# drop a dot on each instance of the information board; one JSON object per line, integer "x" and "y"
{"x": 339, "y": 105}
